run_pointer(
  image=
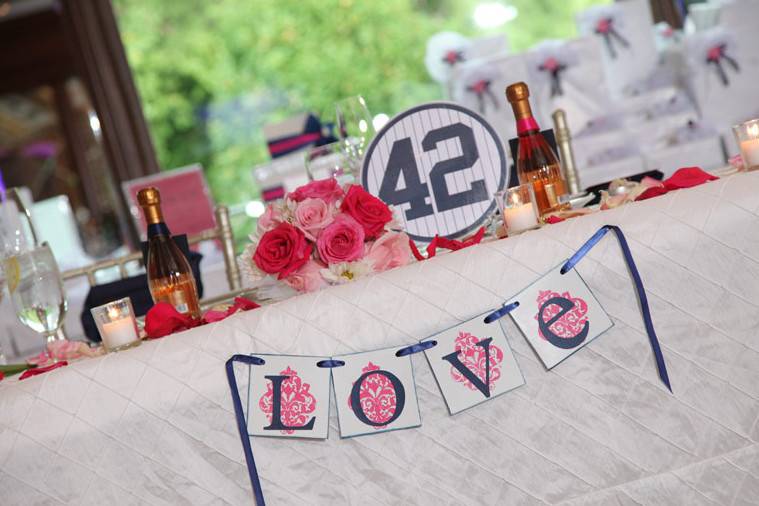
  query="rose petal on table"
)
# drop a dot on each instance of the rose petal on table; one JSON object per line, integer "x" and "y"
{"x": 450, "y": 244}
{"x": 242, "y": 304}
{"x": 212, "y": 316}
{"x": 688, "y": 177}
{"x": 41, "y": 370}
{"x": 162, "y": 320}
{"x": 431, "y": 249}
{"x": 650, "y": 182}
{"x": 652, "y": 192}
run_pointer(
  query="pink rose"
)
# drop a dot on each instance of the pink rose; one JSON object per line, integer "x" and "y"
{"x": 389, "y": 251}
{"x": 282, "y": 250}
{"x": 269, "y": 219}
{"x": 308, "y": 278}
{"x": 368, "y": 210}
{"x": 326, "y": 189}
{"x": 341, "y": 241}
{"x": 311, "y": 216}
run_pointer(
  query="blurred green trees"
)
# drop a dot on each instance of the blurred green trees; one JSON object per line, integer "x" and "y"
{"x": 211, "y": 73}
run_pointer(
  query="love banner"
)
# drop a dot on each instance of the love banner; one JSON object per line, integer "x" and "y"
{"x": 289, "y": 395}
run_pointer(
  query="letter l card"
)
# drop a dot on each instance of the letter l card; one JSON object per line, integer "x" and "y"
{"x": 288, "y": 396}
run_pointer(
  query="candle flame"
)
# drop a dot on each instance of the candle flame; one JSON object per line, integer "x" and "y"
{"x": 515, "y": 200}
{"x": 113, "y": 313}
{"x": 753, "y": 130}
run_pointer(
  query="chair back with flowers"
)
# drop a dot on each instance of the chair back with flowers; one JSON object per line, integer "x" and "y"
{"x": 222, "y": 232}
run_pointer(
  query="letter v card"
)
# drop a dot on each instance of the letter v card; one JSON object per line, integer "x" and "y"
{"x": 473, "y": 363}
{"x": 558, "y": 314}
{"x": 288, "y": 396}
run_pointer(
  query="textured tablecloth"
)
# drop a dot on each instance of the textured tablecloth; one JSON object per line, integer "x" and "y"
{"x": 154, "y": 425}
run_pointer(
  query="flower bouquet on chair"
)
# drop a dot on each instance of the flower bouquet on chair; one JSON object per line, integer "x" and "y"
{"x": 322, "y": 234}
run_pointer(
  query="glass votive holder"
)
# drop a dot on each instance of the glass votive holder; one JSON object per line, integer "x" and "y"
{"x": 518, "y": 208}
{"x": 747, "y": 135}
{"x": 116, "y": 324}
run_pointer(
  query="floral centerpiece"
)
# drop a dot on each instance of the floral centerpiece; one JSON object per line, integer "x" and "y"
{"x": 323, "y": 234}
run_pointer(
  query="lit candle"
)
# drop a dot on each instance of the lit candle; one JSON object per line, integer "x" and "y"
{"x": 118, "y": 332}
{"x": 750, "y": 147}
{"x": 519, "y": 216}
{"x": 116, "y": 324}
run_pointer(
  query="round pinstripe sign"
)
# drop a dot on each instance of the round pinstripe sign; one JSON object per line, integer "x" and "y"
{"x": 440, "y": 164}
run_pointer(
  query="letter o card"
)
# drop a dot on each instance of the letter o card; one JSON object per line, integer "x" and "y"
{"x": 558, "y": 314}
{"x": 473, "y": 363}
{"x": 288, "y": 396}
{"x": 375, "y": 392}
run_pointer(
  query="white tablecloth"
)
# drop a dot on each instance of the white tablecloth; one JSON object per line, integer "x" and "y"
{"x": 154, "y": 425}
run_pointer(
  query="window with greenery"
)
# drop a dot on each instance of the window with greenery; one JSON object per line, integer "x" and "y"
{"x": 212, "y": 73}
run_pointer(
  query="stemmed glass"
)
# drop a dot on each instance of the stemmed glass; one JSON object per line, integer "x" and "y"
{"x": 354, "y": 126}
{"x": 331, "y": 160}
{"x": 36, "y": 290}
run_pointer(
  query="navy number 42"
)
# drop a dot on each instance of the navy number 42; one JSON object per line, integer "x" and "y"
{"x": 402, "y": 161}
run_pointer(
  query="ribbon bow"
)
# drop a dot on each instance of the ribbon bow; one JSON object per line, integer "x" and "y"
{"x": 453, "y": 57}
{"x": 554, "y": 67}
{"x": 606, "y": 29}
{"x": 480, "y": 89}
{"x": 715, "y": 55}
{"x": 443, "y": 242}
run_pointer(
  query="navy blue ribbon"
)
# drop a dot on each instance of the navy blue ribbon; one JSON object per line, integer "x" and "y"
{"x": 255, "y": 482}
{"x": 660, "y": 365}
{"x": 415, "y": 348}
{"x": 330, "y": 364}
{"x": 424, "y": 345}
{"x": 501, "y": 312}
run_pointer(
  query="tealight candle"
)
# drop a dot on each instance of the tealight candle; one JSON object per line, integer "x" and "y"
{"x": 116, "y": 324}
{"x": 518, "y": 208}
{"x": 747, "y": 135}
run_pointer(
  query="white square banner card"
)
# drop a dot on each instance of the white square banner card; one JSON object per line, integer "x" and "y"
{"x": 375, "y": 392}
{"x": 472, "y": 363}
{"x": 288, "y": 396}
{"x": 558, "y": 314}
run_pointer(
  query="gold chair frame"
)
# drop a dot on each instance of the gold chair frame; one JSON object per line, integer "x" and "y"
{"x": 222, "y": 232}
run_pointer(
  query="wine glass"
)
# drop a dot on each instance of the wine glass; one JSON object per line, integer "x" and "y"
{"x": 36, "y": 290}
{"x": 355, "y": 128}
{"x": 331, "y": 160}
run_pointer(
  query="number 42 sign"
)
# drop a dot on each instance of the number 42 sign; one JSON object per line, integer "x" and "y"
{"x": 440, "y": 164}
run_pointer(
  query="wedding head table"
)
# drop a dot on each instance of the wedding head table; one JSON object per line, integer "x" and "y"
{"x": 155, "y": 424}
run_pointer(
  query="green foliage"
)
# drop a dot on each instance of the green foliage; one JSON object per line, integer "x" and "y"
{"x": 210, "y": 74}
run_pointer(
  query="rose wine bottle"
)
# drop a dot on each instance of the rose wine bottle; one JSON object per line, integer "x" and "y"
{"x": 536, "y": 162}
{"x": 170, "y": 278}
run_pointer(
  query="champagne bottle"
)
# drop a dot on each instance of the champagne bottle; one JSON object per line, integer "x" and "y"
{"x": 170, "y": 278}
{"x": 536, "y": 162}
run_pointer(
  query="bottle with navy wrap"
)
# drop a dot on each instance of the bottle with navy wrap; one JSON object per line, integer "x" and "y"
{"x": 170, "y": 277}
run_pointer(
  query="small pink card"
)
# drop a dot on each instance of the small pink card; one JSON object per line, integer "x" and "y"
{"x": 185, "y": 200}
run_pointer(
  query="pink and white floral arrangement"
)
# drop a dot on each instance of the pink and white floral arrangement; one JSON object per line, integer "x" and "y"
{"x": 322, "y": 234}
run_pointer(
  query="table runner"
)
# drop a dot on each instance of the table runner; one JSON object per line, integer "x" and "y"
{"x": 155, "y": 425}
